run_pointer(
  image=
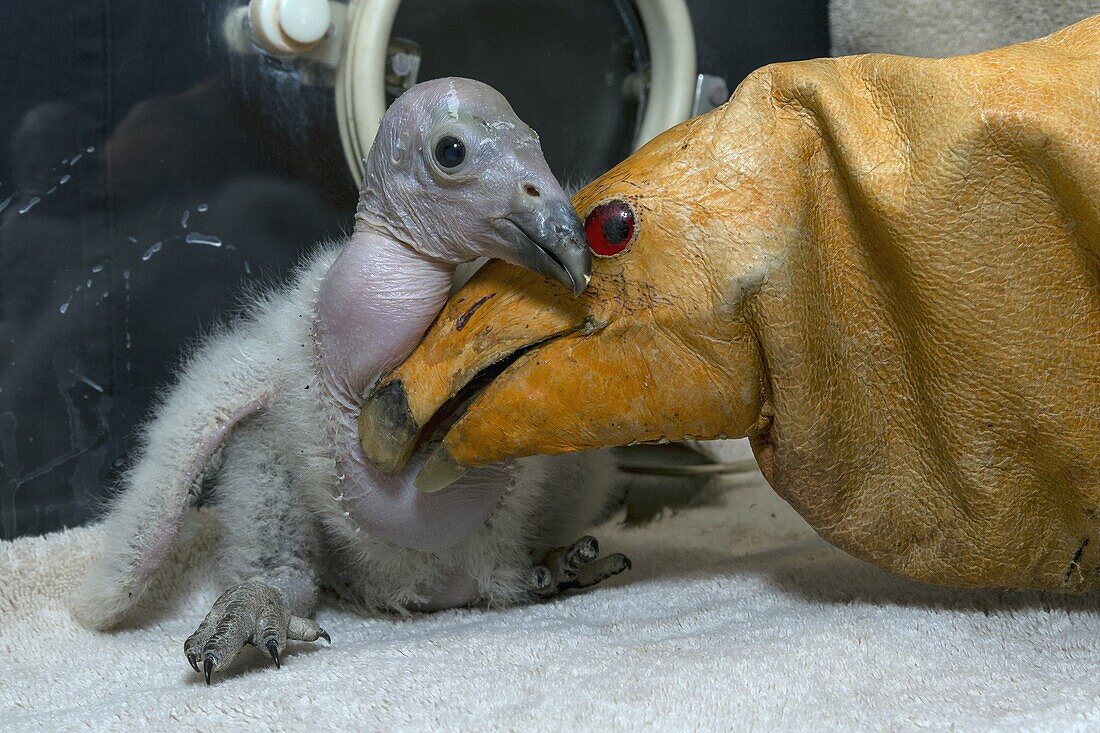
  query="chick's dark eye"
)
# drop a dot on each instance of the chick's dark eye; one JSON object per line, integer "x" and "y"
{"x": 450, "y": 152}
{"x": 610, "y": 228}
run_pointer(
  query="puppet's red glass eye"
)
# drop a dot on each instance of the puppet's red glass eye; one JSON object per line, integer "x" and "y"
{"x": 610, "y": 228}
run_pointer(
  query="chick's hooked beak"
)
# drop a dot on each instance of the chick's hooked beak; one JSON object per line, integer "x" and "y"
{"x": 547, "y": 236}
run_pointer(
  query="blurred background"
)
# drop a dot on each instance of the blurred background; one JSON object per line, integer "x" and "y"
{"x": 156, "y": 159}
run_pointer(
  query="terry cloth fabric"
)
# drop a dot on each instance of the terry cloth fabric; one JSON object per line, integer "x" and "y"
{"x": 735, "y": 617}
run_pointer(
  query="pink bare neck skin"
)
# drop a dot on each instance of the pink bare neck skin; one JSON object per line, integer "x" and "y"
{"x": 373, "y": 307}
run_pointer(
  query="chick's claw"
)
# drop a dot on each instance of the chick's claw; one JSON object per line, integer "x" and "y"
{"x": 577, "y": 566}
{"x": 248, "y": 613}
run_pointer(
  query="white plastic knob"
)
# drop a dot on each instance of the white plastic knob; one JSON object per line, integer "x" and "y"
{"x": 289, "y": 27}
{"x": 305, "y": 21}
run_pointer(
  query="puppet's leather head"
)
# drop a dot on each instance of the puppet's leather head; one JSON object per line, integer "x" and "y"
{"x": 884, "y": 270}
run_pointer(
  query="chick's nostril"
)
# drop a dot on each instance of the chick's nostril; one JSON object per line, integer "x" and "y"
{"x": 530, "y": 190}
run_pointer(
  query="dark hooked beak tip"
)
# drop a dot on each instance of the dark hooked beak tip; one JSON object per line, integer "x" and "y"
{"x": 581, "y": 277}
{"x": 572, "y": 254}
{"x": 554, "y": 244}
{"x": 576, "y": 279}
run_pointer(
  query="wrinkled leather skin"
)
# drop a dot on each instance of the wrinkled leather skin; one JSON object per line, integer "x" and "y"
{"x": 884, "y": 270}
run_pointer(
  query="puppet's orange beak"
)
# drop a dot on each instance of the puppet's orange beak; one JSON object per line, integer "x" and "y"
{"x": 496, "y": 319}
{"x": 545, "y": 373}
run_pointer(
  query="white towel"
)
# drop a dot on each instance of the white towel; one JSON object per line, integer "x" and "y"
{"x": 733, "y": 618}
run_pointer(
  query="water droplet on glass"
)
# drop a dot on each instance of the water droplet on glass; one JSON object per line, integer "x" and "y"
{"x": 64, "y": 179}
{"x": 132, "y": 239}
{"x": 184, "y": 218}
{"x": 105, "y": 294}
{"x": 84, "y": 378}
{"x": 64, "y": 307}
{"x": 208, "y": 239}
{"x": 5, "y": 202}
{"x": 125, "y": 274}
{"x": 151, "y": 251}
{"x": 52, "y": 189}
{"x": 97, "y": 268}
{"x": 88, "y": 284}
{"x": 202, "y": 208}
{"x": 247, "y": 268}
{"x": 29, "y": 205}
{"x": 76, "y": 157}
{"x": 90, "y": 149}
